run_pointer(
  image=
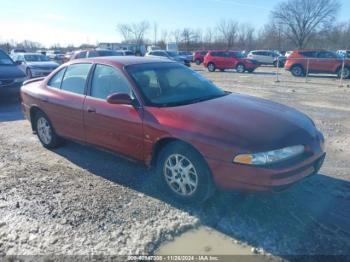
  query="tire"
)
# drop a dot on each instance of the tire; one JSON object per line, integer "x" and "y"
{"x": 240, "y": 68}
{"x": 211, "y": 67}
{"x": 346, "y": 72}
{"x": 250, "y": 70}
{"x": 45, "y": 131}
{"x": 197, "y": 61}
{"x": 173, "y": 177}
{"x": 297, "y": 71}
{"x": 222, "y": 70}
{"x": 29, "y": 73}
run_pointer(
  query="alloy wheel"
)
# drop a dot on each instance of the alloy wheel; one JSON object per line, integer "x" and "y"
{"x": 180, "y": 175}
{"x": 44, "y": 130}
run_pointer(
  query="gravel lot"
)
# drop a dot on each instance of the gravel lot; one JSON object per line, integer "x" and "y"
{"x": 83, "y": 201}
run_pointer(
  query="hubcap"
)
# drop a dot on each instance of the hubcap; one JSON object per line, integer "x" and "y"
{"x": 240, "y": 68}
{"x": 211, "y": 67}
{"x": 44, "y": 130}
{"x": 181, "y": 175}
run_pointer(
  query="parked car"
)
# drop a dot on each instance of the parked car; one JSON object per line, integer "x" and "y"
{"x": 344, "y": 53}
{"x": 188, "y": 55}
{"x": 317, "y": 61}
{"x": 198, "y": 56}
{"x": 34, "y": 64}
{"x": 11, "y": 76}
{"x": 17, "y": 50}
{"x": 98, "y": 52}
{"x": 172, "y": 55}
{"x": 197, "y": 136}
{"x": 229, "y": 60}
{"x": 264, "y": 57}
{"x": 55, "y": 55}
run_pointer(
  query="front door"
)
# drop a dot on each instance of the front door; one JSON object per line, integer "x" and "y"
{"x": 112, "y": 126}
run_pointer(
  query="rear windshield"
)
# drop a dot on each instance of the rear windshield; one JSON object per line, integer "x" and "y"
{"x": 5, "y": 59}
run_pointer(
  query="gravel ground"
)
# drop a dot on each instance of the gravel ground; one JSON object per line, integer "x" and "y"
{"x": 78, "y": 200}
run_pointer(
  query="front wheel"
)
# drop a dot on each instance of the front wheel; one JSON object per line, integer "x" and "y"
{"x": 297, "y": 71}
{"x": 240, "y": 68}
{"x": 45, "y": 131}
{"x": 184, "y": 174}
{"x": 29, "y": 73}
{"x": 345, "y": 73}
{"x": 211, "y": 67}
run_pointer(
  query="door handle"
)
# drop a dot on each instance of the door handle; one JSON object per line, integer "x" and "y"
{"x": 91, "y": 110}
{"x": 45, "y": 99}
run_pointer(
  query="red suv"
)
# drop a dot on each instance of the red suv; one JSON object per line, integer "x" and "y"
{"x": 198, "y": 56}
{"x": 229, "y": 60}
{"x": 317, "y": 61}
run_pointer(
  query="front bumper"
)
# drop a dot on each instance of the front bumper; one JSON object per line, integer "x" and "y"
{"x": 240, "y": 177}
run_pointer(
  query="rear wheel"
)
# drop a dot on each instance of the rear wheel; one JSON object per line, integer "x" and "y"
{"x": 45, "y": 131}
{"x": 250, "y": 70}
{"x": 222, "y": 70}
{"x": 297, "y": 70}
{"x": 345, "y": 72}
{"x": 197, "y": 61}
{"x": 240, "y": 68}
{"x": 211, "y": 67}
{"x": 184, "y": 174}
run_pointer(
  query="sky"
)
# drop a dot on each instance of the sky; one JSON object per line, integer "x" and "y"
{"x": 74, "y": 22}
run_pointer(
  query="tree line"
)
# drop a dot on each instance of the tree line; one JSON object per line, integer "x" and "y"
{"x": 293, "y": 24}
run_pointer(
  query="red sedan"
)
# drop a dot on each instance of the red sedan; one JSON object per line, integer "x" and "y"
{"x": 197, "y": 136}
{"x": 229, "y": 60}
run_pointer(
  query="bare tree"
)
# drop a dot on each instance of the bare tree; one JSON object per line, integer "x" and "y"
{"x": 134, "y": 32}
{"x": 302, "y": 18}
{"x": 228, "y": 32}
{"x": 246, "y": 36}
{"x": 177, "y": 35}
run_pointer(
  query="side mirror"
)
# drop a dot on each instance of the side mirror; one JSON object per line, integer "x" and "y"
{"x": 119, "y": 99}
{"x": 18, "y": 62}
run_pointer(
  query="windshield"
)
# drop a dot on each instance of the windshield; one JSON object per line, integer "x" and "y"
{"x": 171, "y": 53}
{"x": 36, "y": 58}
{"x": 172, "y": 84}
{"x": 5, "y": 59}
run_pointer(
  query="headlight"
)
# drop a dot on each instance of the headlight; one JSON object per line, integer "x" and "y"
{"x": 20, "y": 80}
{"x": 265, "y": 158}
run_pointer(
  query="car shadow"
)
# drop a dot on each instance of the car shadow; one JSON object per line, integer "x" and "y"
{"x": 313, "y": 217}
{"x": 10, "y": 107}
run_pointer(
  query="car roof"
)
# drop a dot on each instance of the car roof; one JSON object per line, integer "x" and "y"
{"x": 122, "y": 60}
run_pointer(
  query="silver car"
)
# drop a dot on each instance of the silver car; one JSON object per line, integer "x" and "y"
{"x": 34, "y": 64}
{"x": 264, "y": 57}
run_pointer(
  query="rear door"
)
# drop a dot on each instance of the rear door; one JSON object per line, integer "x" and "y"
{"x": 326, "y": 62}
{"x": 64, "y": 104}
{"x": 114, "y": 127}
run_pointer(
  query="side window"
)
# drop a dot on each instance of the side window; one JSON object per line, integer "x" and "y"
{"x": 75, "y": 78}
{"x": 326, "y": 55}
{"x": 107, "y": 80}
{"x": 81, "y": 55}
{"x": 92, "y": 54}
{"x": 56, "y": 80}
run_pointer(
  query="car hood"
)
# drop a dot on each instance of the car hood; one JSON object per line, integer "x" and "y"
{"x": 10, "y": 72}
{"x": 48, "y": 64}
{"x": 243, "y": 121}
